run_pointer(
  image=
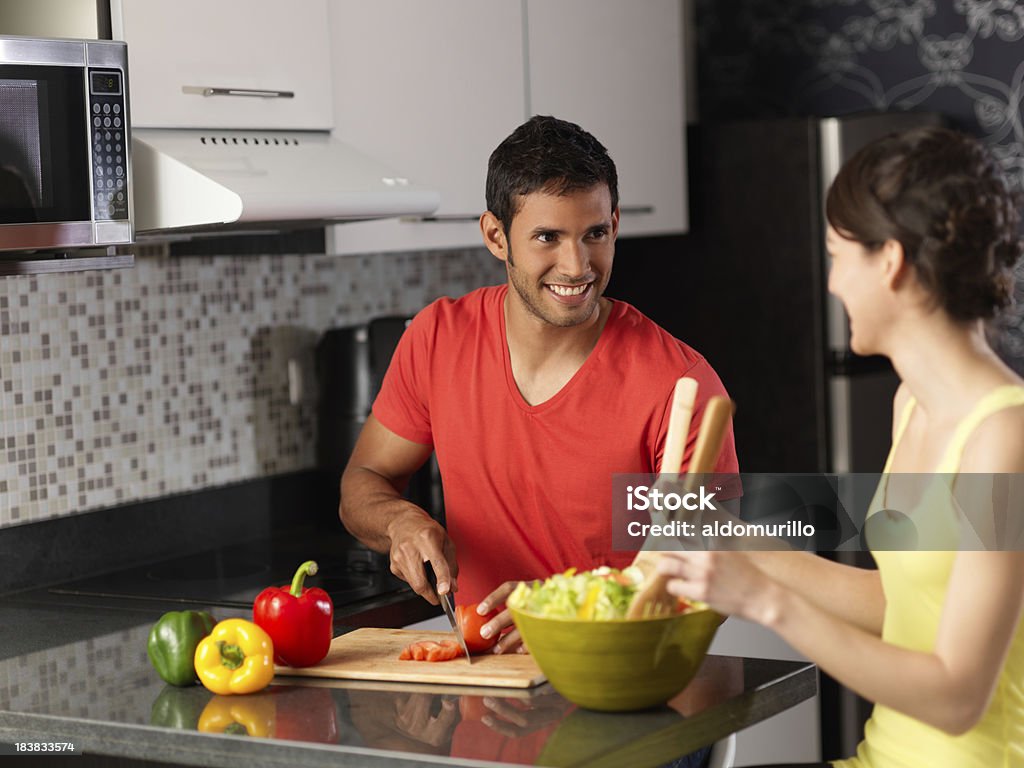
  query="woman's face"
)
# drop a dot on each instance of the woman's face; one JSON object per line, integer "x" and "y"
{"x": 856, "y": 277}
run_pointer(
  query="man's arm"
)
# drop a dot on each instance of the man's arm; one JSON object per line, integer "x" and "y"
{"x": 373, "y": 510}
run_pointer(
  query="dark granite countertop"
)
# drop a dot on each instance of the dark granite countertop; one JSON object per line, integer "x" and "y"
{"x": 73, "y": 664}
{"x": 78, "y": 672}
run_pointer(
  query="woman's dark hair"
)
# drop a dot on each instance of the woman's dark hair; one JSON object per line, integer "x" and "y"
{"x": 943, "y": 197}
{"x": 550, "y": 155}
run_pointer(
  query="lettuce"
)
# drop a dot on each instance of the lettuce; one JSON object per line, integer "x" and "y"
{"x": 598, "y": 595}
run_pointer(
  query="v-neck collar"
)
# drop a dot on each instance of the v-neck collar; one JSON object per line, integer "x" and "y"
{"x": 581, "y": 372}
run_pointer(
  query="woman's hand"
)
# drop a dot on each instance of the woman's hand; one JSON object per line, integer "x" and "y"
{"x": 729, "y": 582}
{"x": 510, "y": 641}
{"x": 515, "y": 718}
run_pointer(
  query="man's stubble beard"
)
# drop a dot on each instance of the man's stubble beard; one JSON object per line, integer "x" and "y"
{"x": 534, "y": 303}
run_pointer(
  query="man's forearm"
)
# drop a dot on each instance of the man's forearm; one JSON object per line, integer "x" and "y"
{"x": 370, "y": 507}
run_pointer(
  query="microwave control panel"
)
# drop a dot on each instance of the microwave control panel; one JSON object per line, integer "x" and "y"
{"x": 109, "y": 129}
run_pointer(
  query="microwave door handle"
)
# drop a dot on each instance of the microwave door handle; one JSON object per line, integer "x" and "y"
{"x": 202, "y": 90}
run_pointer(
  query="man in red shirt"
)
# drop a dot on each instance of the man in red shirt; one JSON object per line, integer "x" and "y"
{"x": 532, "y": 394}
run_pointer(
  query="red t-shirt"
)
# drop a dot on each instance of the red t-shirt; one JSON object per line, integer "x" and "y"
{"x": 528, "y": 488}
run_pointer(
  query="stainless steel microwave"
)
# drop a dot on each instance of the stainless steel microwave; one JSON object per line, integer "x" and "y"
{"x": 65, "y": 161}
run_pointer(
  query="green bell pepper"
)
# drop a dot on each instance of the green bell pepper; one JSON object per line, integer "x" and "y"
{"x": 179, "y": 707}
{"x": 172, "y": 644}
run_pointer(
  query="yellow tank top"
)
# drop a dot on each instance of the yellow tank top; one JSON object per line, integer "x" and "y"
{"x": 915, "y": 586}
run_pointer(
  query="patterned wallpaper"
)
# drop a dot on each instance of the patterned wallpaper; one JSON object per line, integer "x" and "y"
{"x": 124, "y": 385}
{"x": 963, "y": 58}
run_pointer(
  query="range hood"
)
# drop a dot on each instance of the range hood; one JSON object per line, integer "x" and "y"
{"x": 195, "y": 180}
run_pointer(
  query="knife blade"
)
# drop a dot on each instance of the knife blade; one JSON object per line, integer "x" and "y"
{"x": 447, "y": 606}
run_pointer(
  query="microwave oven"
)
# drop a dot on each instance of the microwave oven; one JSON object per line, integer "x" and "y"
{"x": 65, "y": 160}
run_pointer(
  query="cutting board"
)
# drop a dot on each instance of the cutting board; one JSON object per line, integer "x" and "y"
{"x": 371, "y": 653}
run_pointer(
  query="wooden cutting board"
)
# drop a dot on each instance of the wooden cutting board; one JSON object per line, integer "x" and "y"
{"x": 371, "y": 653}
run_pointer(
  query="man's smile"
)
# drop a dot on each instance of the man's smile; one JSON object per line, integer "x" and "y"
{"x": 568, "y": 290}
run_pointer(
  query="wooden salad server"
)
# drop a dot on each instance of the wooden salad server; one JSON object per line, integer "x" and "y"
{"x": 653, "y": 599}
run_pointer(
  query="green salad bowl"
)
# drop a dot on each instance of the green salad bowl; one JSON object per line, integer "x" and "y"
{"x": 619, "y": 665}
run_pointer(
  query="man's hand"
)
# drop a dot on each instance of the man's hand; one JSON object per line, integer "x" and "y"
{"x": 418, "y": 717}
{"x": 416, "y": 538}
{"x": 515, "y": 718}
{"x": 510, "y": 641}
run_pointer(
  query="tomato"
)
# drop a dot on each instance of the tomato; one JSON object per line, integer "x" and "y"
{"x": 428, "y": 650}
{"x": 473, "y": 708}
{"x": 445, "y": 651}
{"x": 469, "y": 622}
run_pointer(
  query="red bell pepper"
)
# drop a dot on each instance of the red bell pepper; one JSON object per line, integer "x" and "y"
{"x": 300, "y": 622}
{"x": 305, "y": 714}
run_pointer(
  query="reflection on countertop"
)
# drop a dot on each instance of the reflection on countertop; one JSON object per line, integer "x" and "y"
{"x": 100, "y": 691}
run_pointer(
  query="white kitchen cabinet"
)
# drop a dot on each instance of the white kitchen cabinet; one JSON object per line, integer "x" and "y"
{"x": 177, "y": 49}
{"x": 616, "y": 68}
{"x": 430, "y": 89}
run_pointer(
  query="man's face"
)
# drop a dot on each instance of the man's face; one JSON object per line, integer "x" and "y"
{"x": 559, "y": 253}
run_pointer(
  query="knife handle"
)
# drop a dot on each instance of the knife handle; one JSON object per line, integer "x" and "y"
{"x": 428, "y": 569}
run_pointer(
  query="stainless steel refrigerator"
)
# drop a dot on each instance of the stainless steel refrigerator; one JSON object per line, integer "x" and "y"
{"x": 757, "y": 307}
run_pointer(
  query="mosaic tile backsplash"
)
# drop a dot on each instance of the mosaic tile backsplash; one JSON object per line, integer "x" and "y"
{"x": 131, "y": 384}
{"x": 109, "y": 673}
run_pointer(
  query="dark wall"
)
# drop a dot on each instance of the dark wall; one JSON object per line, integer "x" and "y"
{"x": 777, "y": 58}
{"x": 761, "y": 58}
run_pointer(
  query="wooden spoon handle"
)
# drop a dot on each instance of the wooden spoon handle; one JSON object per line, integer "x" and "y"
{"x": 717, "y": 416}
{"x": 680, "y": 414}
{"x": 683, "y": 398}
{"x": 653, "y": 599}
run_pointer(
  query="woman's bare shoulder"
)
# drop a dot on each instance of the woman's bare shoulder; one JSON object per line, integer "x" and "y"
{"x": 997, "y": 443}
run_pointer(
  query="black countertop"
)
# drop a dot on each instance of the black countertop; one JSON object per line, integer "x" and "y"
{"x": 76, "y": 671}
{"x": 73, "y": 665}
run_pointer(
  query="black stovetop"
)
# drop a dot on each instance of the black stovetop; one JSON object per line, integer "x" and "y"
{"x": 233, "y": 575}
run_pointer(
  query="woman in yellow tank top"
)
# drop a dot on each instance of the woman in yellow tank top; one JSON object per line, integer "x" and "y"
{"x": 923, "y": 235}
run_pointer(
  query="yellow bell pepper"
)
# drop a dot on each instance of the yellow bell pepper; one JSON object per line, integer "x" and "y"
{"x": 586, "y": 611}
{"x": 236, "y": 657}
{"x": 250, "y": 716}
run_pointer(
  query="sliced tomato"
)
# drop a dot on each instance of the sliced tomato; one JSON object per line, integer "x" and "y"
{"x": 450, "y": 649}
{"x": 441, "y": 653}
{"x": 424, "y": 649}
{"x": 428, "y": 650}
{"x": 622, "y": 579}
{"x": 414, "y": 652}
{"x": 470, "y": 622}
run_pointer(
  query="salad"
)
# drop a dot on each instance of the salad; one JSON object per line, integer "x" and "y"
{"x": 598, "y": 595}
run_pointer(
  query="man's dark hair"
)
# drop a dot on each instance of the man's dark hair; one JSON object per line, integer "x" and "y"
{"x": 549, "y": 155}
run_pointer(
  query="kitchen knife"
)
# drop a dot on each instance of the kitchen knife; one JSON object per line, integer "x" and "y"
{"x": 448, "y": 607}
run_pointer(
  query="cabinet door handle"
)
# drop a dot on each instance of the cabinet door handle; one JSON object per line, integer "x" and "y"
{"x": 202, "y": 90}
{"x": 627, "y": 210}
{"x": 446, "y": 217}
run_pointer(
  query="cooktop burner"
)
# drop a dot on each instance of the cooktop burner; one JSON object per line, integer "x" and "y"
{"x": 204, "y": 568}
{"x": 234, "y": 575}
